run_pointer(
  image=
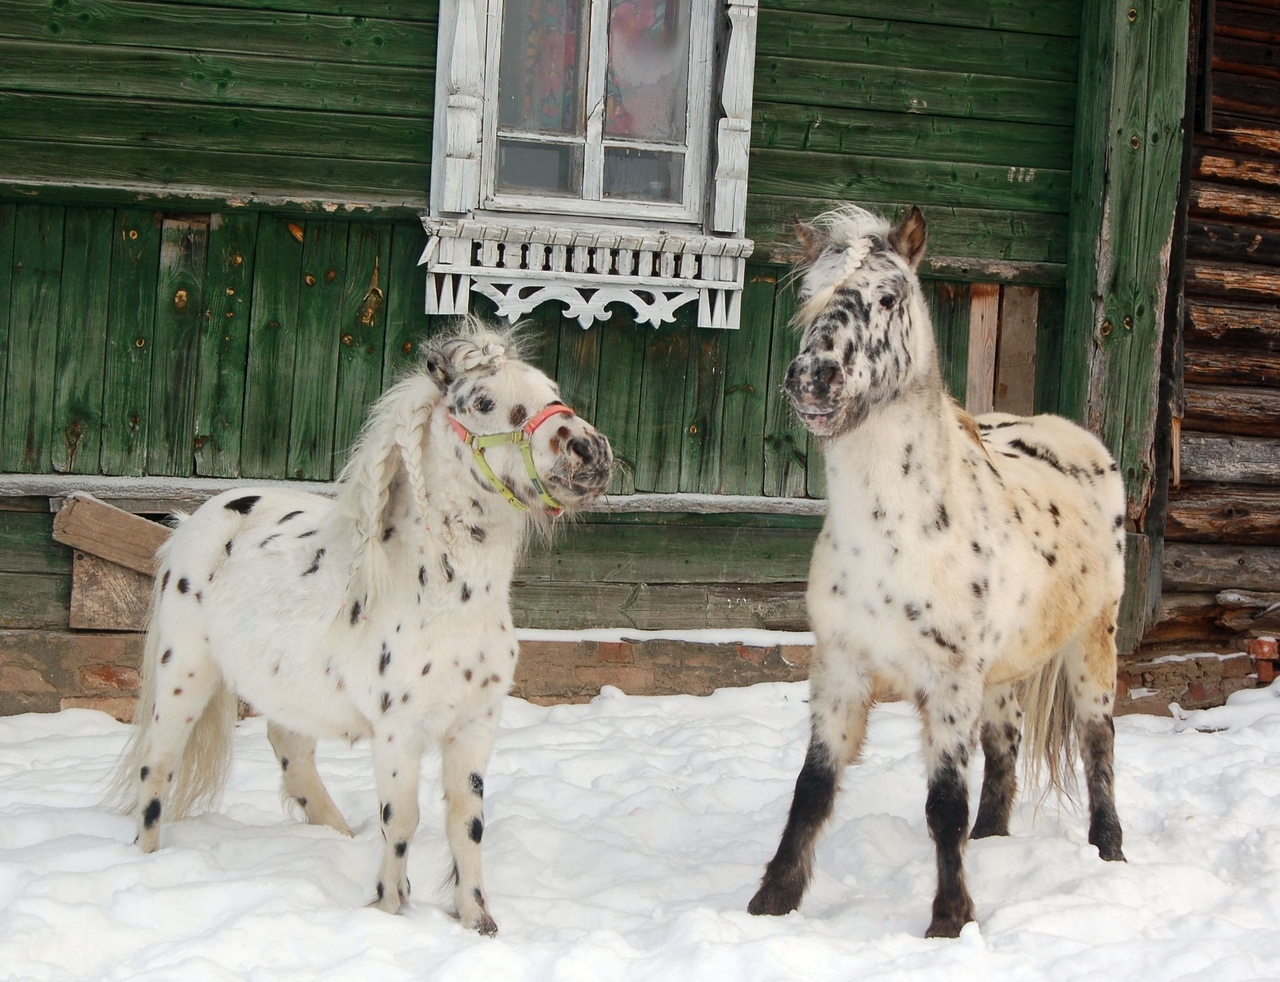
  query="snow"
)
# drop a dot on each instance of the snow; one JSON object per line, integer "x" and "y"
{"x": 623, "y": 841}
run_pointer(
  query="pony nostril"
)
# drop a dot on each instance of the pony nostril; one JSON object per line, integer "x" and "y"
{"x": 582, "y": 448}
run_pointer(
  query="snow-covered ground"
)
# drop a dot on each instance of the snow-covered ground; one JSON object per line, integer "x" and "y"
{"x": 624, "y": 839}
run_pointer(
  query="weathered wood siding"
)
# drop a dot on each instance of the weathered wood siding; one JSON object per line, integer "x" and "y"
{"x": 1222, "y": 561}
{"x": 218, "y": 99}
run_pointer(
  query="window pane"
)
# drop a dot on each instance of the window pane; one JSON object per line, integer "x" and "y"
{"x": 524, "y": 166}
{"x": 543, "y": 67}
{"x": 643, "y": 175}
{"x": 648, "y": 78}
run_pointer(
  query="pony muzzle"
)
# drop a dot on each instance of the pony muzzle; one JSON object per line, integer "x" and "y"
{"x": 522, "y": 438}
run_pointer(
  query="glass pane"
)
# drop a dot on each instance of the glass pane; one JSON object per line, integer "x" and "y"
{"x": 524, "y": 166}
{"x": 643, "y": 175}
{"x": 648, "y": 78}
{"x": 543, "y": 68}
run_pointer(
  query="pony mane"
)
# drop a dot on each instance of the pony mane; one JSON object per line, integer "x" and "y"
{"x": 852, "y": 234}
{"x": 394, "y": 436}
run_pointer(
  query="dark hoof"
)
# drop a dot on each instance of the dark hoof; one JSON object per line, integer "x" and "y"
{"x": 773, "y": 901}
{"x": 1112, "y": 854}
{"x": 984, "y": 830}
{"x": 486, "y": 926}
{"x": 947, "y": 923}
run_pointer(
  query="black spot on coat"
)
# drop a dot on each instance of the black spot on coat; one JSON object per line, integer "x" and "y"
{"x": 243, "y": 505}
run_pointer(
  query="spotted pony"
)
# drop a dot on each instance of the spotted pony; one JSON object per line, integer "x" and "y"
{"x": 974, "y": 566}
{"x": 383, "y": 613}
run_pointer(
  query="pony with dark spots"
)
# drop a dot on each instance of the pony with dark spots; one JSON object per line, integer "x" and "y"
{"x": 325, "y": 631}
{"x": 976, "y": 560}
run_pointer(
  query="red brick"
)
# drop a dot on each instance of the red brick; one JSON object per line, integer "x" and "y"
{"x": 616, "y": 653}
{"x": 109, "y": 677}
{"x": 753, "y": 654}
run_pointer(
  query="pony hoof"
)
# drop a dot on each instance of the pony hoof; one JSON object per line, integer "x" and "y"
{"x": 772, "y": 902}
{"x": 948, "y": 924}
{"x": 485, "y": 926}
{"x": 988, "y": 831}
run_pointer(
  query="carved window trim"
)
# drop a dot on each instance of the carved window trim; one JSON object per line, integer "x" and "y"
{"x": 522, "y": 250}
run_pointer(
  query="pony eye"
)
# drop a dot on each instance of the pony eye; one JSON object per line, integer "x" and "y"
{"x": 887, "y": 301}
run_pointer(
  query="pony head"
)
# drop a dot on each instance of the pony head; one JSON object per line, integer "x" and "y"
{"x": 505, "y": 409}
{"x": 866, "y": 333}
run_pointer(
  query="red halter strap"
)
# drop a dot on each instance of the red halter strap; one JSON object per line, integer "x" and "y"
{"x": 521, "y": 438}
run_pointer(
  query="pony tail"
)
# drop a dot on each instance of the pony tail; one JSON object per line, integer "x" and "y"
{"x": 1049, "y": 730}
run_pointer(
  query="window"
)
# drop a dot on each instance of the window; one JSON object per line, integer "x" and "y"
{"x": 591, "y": 152}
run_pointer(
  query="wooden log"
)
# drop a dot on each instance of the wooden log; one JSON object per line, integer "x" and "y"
{"x": 1236, "y": 459}
{"x": 1232, "y": 281}
{"x": 1225, "y": 513}
{"x": 1233, "y": 244}
{"x": 1194, "y": 567}
{"x": 1219, "y": 365}
{"x": 108, "y": 597}
{"x": 1234, "y": 205}
{"x": 1242, "y": 409}
{"x": 1210, "y": 164}
{"x": 88, "y": 524}
{"x": 1237, "y": 136}
{"x": 1187, "y": 617}
{"x": 1244, "y": 95}
{"x": 1235, "y": 325}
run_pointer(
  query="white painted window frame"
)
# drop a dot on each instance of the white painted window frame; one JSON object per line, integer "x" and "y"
{"x": 524, "y": 249}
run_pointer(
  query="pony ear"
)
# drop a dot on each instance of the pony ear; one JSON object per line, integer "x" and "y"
{"x": 812, "y": 240}
{"x": 908, "y": 237}
{"x": 440, "y": 369}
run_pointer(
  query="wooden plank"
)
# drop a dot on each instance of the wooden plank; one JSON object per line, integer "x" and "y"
{"x": 273, "y": 327}
{"x": 660, "y": 606}
{"x": 949, "y": 305}
{"x": 578, "y": 370}
{"x": 224, "y": 344}
{"x": 1062, "y": 19}
{"x": 1211, "y": 164}
{"x": 886, "y": 41}
{"x": 1234, "y": 325}
{"x": 1241, "y": 409}
{"x": 26, "y": 546}
{"x": 175, "y": 354}
{"x": 786, "y": 447}
{"x": 1049, "y": 339}
{"x": 107, "y": 597}
{"x": 8, "y": 221}
{"x": 207, "y": 175}
{"x": 1192, "y": 566}
{"x": 746, "y": 383}
{"x": 34, "y": 601}
{"x": 662, "y": 387}
{"x": 87, "y": 524}
{"x": 131, "y": 314}
{"x": 1238, "y": 138}
{"x": 823, "y": 129}
{"x": 1256, "y": 99}
{"x": 1237, "y": 459}
{"x": 970, "y": 95}
{"x": 271, "y": 33}
{"x": 963, "y": 233}
{"x": 1232, "y": 281}
{"x": 33, "y": 339}
{"x": 361, "y": 355}
{"x": 875, "y": 179}
{"x": 1224, "y": 513}
{"x": 1231, "y": 366}
{"x": 622, "y": 348}
{"x": 407, "y": 321}
{"x": 321, "y": 325}
{"x": 1015, "y": 381}
{"x": 984, "y": 329}
{"x": 215, "y": 78}
{"x": 423, "y": 10}
{"x": 110, "y": 125}
{"x": 701, "y": 453}
{"x": 671, "y": 554}
{"x": 82, "y": 339}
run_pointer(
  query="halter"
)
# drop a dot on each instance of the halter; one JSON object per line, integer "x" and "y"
{"x": 521, "y": 438}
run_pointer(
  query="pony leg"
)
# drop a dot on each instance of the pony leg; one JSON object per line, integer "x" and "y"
{"x": 464, "y": 756}
{"x": 1091, "y": 667}
{"x": 949, "y": 730}
{"x": 186, "y": 681}
{"x": 397, "y": 754}
{"x": 1001, "y": 739}
{"x": 838, "y": 726}
{"x": 300, "y": 779}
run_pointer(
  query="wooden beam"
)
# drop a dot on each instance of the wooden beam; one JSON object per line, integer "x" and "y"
{"x": 108, "y": 597}
{"x": 88, "y": 524}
